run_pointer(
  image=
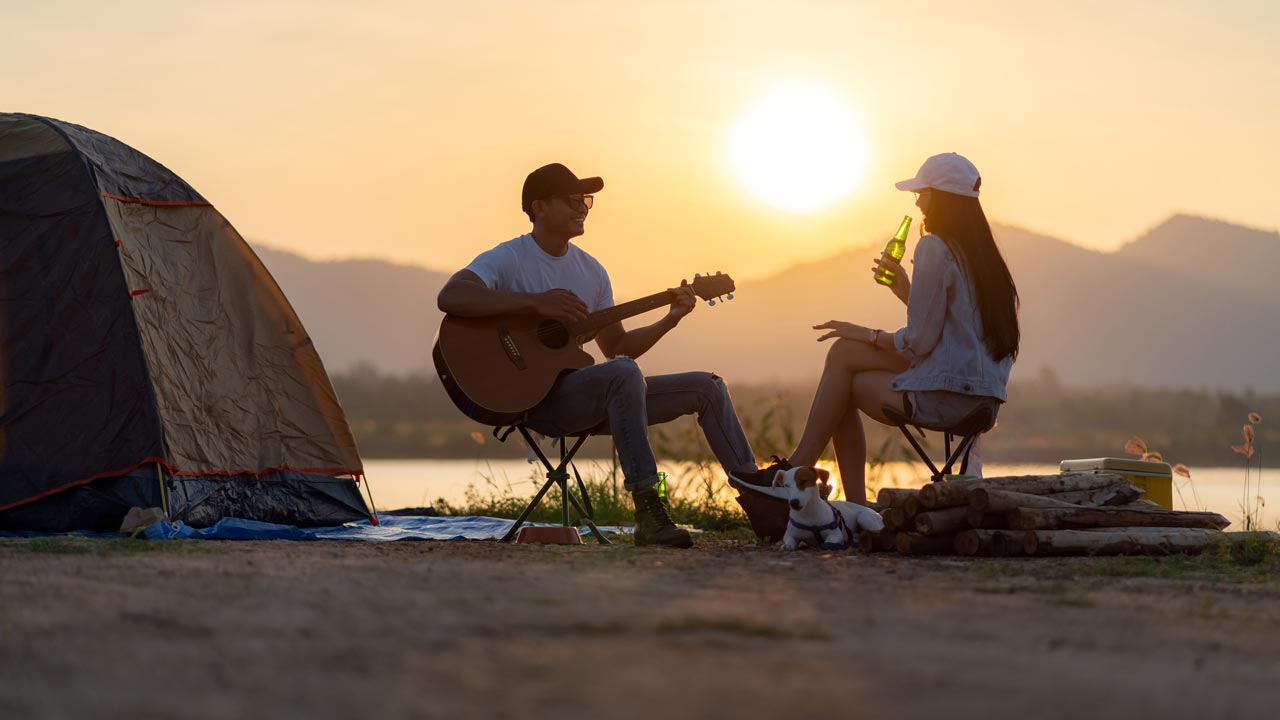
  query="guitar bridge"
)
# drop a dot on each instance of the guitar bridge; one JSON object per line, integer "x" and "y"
{"x": 509, "y": 347}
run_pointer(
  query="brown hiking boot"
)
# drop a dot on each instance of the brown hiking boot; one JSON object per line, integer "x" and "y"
{"x": 653, "y": 525}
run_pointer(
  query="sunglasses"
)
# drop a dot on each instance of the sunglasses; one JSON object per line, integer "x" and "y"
{"x": 583, "y": 202}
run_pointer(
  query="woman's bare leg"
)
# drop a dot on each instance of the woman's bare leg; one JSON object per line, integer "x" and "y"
{"x": 850, "y": 444}
{"x": 832, "y": 400}
{"x": 869, "y": 392}
{"x": 872, "y": 391}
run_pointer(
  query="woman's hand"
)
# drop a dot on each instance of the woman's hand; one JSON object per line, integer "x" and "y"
{"x": 901, "y": 286}
{"x": 848, "y": 331}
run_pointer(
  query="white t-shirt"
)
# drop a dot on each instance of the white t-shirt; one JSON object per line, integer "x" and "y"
{"x": 519, "y": 265}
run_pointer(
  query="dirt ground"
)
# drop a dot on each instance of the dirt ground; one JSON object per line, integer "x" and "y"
{"x": 728, "y": 630}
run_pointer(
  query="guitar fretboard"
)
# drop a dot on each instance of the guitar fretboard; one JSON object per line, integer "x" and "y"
{"x": 601, "y": 318}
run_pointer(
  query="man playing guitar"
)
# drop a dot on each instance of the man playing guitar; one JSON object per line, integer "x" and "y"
{"x": 542, "y": 273}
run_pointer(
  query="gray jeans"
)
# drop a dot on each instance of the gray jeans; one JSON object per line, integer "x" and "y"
{"x": 618, "y": 392}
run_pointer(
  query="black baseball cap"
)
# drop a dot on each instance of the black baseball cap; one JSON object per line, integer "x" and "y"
{"x": 555, "y": 179}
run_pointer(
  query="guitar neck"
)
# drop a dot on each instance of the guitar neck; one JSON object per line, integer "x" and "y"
{"x": 592, "y": 323}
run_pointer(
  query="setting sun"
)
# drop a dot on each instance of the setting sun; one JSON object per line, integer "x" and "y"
{"x": 799, "y": 148}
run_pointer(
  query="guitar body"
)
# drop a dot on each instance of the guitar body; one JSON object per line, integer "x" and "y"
{"x": 504, "y": 365}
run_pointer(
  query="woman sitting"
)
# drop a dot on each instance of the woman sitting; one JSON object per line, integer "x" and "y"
{"x": 961, "y": 337}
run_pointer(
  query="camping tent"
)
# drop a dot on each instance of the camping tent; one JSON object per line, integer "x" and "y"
{"x": 147, "y": 357}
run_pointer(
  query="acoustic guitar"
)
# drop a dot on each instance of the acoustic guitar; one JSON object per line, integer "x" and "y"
{"x": 497, "y": 368}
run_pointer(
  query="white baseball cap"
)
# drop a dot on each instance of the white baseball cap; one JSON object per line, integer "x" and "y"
{"x": 948, "y": 172}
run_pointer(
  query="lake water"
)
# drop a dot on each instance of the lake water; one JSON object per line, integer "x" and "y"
{"x": 419, "y": 483}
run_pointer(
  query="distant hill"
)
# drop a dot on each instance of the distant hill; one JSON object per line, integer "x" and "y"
{"x": 1165, "y": 310}
{"x": 1241, "y": 258}
{"x": 362, "y": 311}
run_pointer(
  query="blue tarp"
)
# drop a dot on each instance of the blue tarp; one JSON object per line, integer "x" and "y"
{"x": 390, "y": 527}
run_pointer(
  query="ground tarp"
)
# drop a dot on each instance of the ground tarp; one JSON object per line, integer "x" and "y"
{"x": 389, "y": 528}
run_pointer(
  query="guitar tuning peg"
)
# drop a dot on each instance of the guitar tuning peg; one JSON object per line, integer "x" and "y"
{"x": 697, "y": 275}
{"x": 711, "y": 303}
{"x": 717, "y": 272}
{"x": 729, "y": 296}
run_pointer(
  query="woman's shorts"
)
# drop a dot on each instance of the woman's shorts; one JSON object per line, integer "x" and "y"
{"x": 939, "y": 408}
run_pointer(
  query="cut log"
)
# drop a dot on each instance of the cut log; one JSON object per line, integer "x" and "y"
{"x": 894, "y": 497}
{"x": 888, "y": 516}
{"x": 882, "y": 541}
{"x": 1002, "y": 501}
{"x": 916, "y": 544}
{"x": 1118, "y": 541}
{"x": 1139, "y": 505}
{"x": 1117, "y": 494}
{"x": 942, "y": 522}
{"x": 1006, "y": 543}
{"x": 1245, "y": 535}
{"x": 1070, "y": 518}
{"x": 989, "y": 543}
{"x": 948, "y": 493}
{"x": 956, "y": 492}
{"x": 974, "y": 542}
{"x": 898, "y": 519}
{"x": 987, "y": 520}
{"x": 911, "y": 506}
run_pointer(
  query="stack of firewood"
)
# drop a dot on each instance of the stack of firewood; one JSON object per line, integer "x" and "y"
{"x": 1039, "y": 515}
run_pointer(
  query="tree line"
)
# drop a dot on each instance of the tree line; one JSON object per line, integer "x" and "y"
{"x": 1043, "y": 422}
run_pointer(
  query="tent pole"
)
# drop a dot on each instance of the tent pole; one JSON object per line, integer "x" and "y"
{"x": 373, "y": 513}
{"x": 164, "y": 500}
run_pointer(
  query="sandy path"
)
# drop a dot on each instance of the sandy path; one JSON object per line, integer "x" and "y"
{"x": 461, "y": 630}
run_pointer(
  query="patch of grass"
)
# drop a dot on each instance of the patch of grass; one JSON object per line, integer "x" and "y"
{"x": 738, "y": 534}
{"x": 610, "y": 502}
{"x": 79, "y": 545}
{"x": 697, "y": 498}
{"x": 1254, "y": 558}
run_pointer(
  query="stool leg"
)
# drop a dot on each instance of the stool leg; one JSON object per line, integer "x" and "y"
{"x": 582, "y": 488}
{"x": 590, "y": 521}
{"x": 528, "y": 510}
{"x": 920, "y": 451}
{"x": 564, "y": 486}
{"x": 557, "y": 475}
{"x": 962, "y": 449}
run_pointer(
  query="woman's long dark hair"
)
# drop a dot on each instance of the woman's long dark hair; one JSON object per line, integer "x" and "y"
{"x": 960, "y": 222}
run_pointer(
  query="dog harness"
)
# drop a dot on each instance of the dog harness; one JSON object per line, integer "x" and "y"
{"x": 836, "y": 522}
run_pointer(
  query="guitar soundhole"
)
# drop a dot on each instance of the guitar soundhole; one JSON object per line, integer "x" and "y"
{"x": 553, "y": 334}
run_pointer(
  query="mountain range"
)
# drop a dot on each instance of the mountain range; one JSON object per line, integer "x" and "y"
{"x": 1187, "y": 304}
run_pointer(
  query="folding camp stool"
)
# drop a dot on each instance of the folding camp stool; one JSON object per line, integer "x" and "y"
{"x": 967, "y": 431}
{"x": 557, "y": 475}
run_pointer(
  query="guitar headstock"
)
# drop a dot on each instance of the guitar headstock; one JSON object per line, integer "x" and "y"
{"x": 711, "y": 287}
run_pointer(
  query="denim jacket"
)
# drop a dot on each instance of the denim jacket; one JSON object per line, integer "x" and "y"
{"x": 943, "y": 336}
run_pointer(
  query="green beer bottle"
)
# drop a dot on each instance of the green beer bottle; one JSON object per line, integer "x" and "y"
{"x": 897, "y": 248}
{"x": 662, "y": 489}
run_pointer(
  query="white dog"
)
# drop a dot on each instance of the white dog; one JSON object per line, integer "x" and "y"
{"x": 814, "y": 521}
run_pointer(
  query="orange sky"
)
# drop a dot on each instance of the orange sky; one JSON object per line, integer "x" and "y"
{"x": 403, "y": 130}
